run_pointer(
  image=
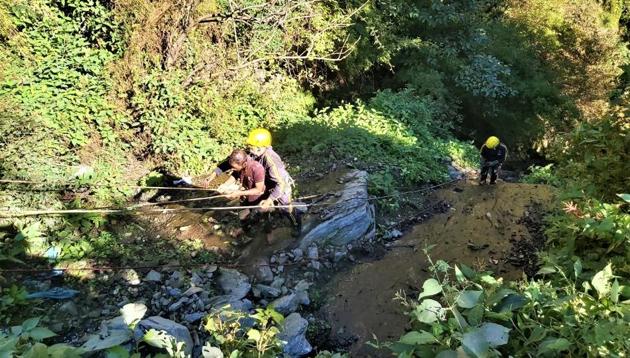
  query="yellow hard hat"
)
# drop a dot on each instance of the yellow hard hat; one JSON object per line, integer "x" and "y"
{"x": 492, "y": 142}
{"x": 259, "y": 137}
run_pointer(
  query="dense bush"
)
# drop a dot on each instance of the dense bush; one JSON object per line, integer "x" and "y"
{"x": 394, "y": 134}
{"x": 463, "y": 312}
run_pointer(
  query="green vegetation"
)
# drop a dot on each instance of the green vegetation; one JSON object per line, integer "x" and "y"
{"x": 577, "y": 314}
{"x": 97, "y": 95}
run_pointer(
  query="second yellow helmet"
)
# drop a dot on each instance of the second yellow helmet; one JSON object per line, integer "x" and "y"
{"x": 259, "y": 137}
{"x": 492, "y": 142}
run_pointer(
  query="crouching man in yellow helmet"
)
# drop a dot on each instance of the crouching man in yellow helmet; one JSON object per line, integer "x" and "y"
{"x": 493, "y": 154}
{"x": 278, "y": 182}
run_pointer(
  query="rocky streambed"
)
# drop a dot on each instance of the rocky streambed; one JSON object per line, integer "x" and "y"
{"x": 335, "y": 284}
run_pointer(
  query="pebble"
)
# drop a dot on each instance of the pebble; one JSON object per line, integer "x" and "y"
{"x": 193, "y": 317}
{"x": 192, "y": 291}
{"x": 177, "y": 305}
{"x": 297, "y": 254}
{"x": 174, "y": 292}
{"x": 316, "y": 265}
{"x": 313, "y": 253}
{"x": 131, "y": 276}
{"x": 196, "y": 279}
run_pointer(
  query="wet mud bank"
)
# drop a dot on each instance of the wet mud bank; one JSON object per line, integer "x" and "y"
{"x": 496, "y": 228}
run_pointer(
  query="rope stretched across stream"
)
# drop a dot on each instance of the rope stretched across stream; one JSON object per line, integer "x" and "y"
{"x": 138, "y": 207}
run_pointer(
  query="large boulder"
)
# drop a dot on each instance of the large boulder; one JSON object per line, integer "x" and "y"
{"x": 347, "y": 215}
{"x": 292, "y": 333}
{"x": 234, "y": 283}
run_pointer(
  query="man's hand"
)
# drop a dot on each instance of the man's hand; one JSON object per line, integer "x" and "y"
{"x": 233, "y": 195}
{"x": 227, "y": 188}
{"x": 266, "y": 204}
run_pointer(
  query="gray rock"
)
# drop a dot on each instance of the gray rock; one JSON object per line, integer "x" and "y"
{"x": 297, "y": 254}
{"x": 176, "y": 330}
{"x": 301, "y": 291}
{"x": 454, "y": 172}
{"x": 286, "y": 304}
{"x": 278, "y": 282}
{"x": 177, "y": 305}
{"x": 193, "y": 291}
{"x": 266, "y": 291}
{"x": 234, "y": 283}
{"x": 176, "y": 280}
{"x": 196, "y": 279}
{"x": 315, "y": 265}
{"x": 112, "y": 332}
{"x": 174, "y": 292}
{"x": 131, "y": 276}
{"x": 263, "y": 271}
{"x": 339, "y": 255}
{"x": 312, "y": 253}
{"x": 292, "y": 332}
{"x": 392, "y": 234}
{"x": 349, "y": 217}
{"x": 153, "y": 276}
{"x": 193, "y": 317}
{"x": 69, "y": 308}
{"x": 218, "y": 303}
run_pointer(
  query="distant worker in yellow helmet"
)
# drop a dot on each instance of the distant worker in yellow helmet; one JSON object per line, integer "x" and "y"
{"x": 278, "y": 182}
{"x": 493, "y": 154}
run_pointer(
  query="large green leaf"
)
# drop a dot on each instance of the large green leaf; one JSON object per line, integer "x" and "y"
{"x": 601, "y": 281}
{"x": 461, "y": 321}
{"x": 498, "y": 296}
{"x": 155, "y": 338}
{"x": 474, "y": 343}
{"x": 468, "y": 272}
{"x": 133, "y": 312}
{"x": 468, "y": 299}
{"x": 555, "y": 345}
{"x": 209, "y": 351}
{"x": 117, "y": 352}
{"x": 615, "y": 291}
{"x": 41, "y": 333}
{"x": 625, "y": 197}
{"x": 38, "y": 350}
{"x": 510, "y": 303}
{"x": 418, "y": 338}
{"x": 577, "y": 268}
{"x": 459, "y": 275}
{"x": 478, "y": 341}
{"x": 253, "y": 334}
{"x": 475, "y": 315}
{"x": 7, "y": 346}
{"x": 447, "y": 354}
{"x": 429, "y": 288}
{"x": 30, "y": 323}
{"x": 64, "y": 351}
{"x": 537, "y": 335}
{"x": 495, "y": 334}
{"x": 96, "y": 343}
{"x": 429, "y": 311}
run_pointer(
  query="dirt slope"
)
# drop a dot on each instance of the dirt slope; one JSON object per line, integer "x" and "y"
{"x": 480, "y": 229}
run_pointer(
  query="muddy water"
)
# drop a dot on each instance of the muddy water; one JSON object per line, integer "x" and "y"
{"x": 476, "y": 231}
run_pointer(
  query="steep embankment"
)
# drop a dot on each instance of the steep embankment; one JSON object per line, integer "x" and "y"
{"x": 487, "y": 227}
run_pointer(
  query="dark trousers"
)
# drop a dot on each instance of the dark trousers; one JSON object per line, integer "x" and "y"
{"x": 494, "y": 172}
